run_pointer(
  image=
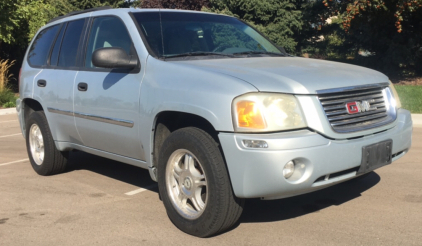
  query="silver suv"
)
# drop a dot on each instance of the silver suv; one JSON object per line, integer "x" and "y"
{"x": 214, "y": 110}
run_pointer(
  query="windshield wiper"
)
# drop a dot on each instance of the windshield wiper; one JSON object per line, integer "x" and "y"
{"x": 259, "y": 53}
{"x": 198, "y": 54}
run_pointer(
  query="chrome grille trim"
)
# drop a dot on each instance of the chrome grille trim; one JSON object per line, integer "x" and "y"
{"x": 360, "y": 115}
{"x": 333, "y": 102}
{"x": 352, "y": 88}
{"x": 348, "y": 99}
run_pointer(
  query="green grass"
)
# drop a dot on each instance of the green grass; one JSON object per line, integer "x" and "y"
{"x": 410, "y": 97}
{"x": 7, "y": 99}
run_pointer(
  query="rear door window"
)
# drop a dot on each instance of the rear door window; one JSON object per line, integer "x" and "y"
{"x": 40, "y": 49}
{"x": 70, "y": 44}
{"x": 56, "y": 49}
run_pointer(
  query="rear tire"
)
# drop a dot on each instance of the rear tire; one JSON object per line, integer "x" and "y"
{"x": 43, "y": 155}
{"x": 194, "y": 184}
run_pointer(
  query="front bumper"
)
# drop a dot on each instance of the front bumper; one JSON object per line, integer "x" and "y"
{"x": 259, "y": 172}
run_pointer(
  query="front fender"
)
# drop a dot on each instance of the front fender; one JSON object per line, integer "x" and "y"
{"x": 172, "y": 86}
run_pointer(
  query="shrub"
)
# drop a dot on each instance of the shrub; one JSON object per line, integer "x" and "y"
{"x": 5, "y": 76}
{"x": 9, "y": 105}
{"x": 7, "y": 96}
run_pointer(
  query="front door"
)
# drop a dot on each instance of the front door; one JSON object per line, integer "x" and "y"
{"x": 106, "y": 103}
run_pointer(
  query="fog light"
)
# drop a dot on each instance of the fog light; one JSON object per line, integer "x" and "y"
{"x": 289, "y": 169}
{"x": 255, "y": 144}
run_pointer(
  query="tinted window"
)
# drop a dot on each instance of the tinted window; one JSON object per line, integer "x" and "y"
{"x": 41, "y": 47}
{"x": 55, "y": 53}
{"x": 174, "y": 33}
{"x": 150, "y": 26}
{"x": 105, "y": 32}
{"x": 69, "y": 48}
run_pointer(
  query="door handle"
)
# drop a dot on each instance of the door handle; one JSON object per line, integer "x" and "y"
{"x": 41, "y": 83}
{"x": 82, "y": 86}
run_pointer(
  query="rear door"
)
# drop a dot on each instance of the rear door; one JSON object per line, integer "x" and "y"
{"x": 54, "y": 84}
{"x": 64, "y": 64}
{"x": 107, "y": 100}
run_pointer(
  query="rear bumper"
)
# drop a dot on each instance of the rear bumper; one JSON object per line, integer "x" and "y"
{"x": 19, "y": 110}
{"x": 259, "y": 172}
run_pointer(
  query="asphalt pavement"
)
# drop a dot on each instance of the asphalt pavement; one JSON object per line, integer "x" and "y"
{"x": 103, "y": 202}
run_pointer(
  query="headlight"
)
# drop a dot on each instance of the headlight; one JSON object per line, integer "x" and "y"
{"x": 267, "y": 112}
{"x": 396, "y": 96}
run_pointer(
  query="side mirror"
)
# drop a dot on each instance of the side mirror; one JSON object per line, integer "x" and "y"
{"x": 113, "y": 57}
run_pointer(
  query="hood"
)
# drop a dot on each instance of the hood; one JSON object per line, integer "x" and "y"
{"x": 293, "y": 75}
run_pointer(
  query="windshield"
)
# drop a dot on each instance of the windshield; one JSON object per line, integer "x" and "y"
{"x": 186, "y": 33}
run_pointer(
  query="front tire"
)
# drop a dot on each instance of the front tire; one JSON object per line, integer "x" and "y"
{"x": 43, "y": 155}
{"x": 194, "y": 184}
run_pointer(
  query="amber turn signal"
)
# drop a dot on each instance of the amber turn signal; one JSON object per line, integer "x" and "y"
{"x": 249, "y": 115}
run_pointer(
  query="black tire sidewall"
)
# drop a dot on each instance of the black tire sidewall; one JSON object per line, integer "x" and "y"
{"x": 213, "y": 165}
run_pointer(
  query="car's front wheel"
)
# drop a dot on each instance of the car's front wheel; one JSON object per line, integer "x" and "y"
{"x": 194, "y": 184}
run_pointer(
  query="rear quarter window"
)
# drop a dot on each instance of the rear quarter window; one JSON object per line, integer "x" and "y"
{"x": 40, "y": 49}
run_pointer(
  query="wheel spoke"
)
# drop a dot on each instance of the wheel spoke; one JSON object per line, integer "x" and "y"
{"x": 176, "y": 176}
{"x": 197, "y": 201}
{"x": 188, "y": 162}
{"x": 40, "y": 141}
{"x": 182, "y": 198}
{"x": 200, "y": 183}
{"x": 196, "y": 174}
{"x": 191, "y": 167}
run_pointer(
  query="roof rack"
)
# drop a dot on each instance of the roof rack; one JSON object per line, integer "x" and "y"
{"x": 79, "y": 12}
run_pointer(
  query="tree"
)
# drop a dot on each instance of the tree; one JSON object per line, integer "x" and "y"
{"x": 87, "y": 4}
{"x": 402, "y": 10}
{"x": 8, "y": 21}
{"x": 387, "y": 31}
{"x": 175, "y": 4}
{"x": 277, "y": 19}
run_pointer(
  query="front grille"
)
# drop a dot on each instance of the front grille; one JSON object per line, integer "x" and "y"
{"x": 334, "y": 105}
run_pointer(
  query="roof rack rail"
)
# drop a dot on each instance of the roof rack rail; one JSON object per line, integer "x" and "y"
{"x": 79, "y": 12}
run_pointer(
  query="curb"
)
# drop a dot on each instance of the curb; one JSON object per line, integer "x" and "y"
{"x": 8, "y": 111}
{"x": 416, "y": 118}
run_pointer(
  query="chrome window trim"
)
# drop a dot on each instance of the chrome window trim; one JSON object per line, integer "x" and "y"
{"x": 352, "y": 88}
{"x": 114, "y": 121}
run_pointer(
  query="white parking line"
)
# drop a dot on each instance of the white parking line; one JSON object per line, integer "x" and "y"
{"x": 8, "y": 121}
{"x": 11, "y": 135}
{"x": 134, "y": 192}
{"x": 13, "y": 162}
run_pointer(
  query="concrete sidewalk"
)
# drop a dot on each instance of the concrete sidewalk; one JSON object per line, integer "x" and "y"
{"x": 417, "y": 118}
{"x": 8, "y": 111}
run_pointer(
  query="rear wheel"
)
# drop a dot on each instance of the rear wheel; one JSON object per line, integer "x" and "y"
{"x": 43, "y": 155}
{"x": 194, "y": 184}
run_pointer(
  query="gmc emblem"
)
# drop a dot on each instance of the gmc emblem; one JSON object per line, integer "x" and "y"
{"x": 362, "y": 106}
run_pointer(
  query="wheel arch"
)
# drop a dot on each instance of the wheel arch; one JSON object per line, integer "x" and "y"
{"x": 29, "y": 105}
{"x": 169, "y": 121}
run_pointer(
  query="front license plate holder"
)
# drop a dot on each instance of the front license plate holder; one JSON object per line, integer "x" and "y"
{"x": 375, "y": 156}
